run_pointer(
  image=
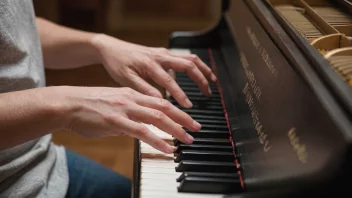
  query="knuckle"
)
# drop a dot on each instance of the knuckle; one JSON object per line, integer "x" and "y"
{"x": 129, "y": 93}
{"x": 163, "y": 50}
{"x": 158, "y": 115}
{"x": 159, "y": 143}
{"x": 128, "y": 90}
{"x": 190, "y": 65}
{"x": 164, "y": 104}
{"x": 168, "y": 79}
{"x": 123, "y": 102}
{"x": 146, "y": 90}
{"x": 156, "y": 55}
{"x": 109, "y": 118}
{"x": 147, "y": 60}
{"x": 194, "y": 57}
{"x": 180, "y": 95}
{"x": 142, "y": 130}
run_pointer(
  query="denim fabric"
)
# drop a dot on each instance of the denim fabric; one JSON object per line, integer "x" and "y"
{"x": 89, "y": 179}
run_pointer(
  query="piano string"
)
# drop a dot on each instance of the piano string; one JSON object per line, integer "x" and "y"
{"x": 317, "y": 22}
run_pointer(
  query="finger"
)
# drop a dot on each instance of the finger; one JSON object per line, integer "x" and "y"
{"x": 161, "y": 121}
{"x": 183, "y": 65}
{"x": 141, "y": 132}
{"x": 200, "y": 64}
{"x": 170, "y": 110}
{"x": 161, "y": 77}
{"x": 143, "y": 86}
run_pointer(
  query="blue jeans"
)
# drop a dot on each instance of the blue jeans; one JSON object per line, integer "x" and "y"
{"x": 89, "y": 179}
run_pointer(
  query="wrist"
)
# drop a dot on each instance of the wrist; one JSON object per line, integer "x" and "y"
{"x": 97, "y": 42}
{"x": 59, "y": 106}
{"x": 103, "y": 43}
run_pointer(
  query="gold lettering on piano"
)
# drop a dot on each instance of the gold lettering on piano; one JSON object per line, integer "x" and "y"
{"x": 262, "y": 135}
{"x": 251, "y": 78}
{"x": 298, "y": 147}
{"x": 262, "y": 51}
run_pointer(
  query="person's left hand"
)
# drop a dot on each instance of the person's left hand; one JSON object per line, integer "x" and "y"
{"x": 132, "y": 65}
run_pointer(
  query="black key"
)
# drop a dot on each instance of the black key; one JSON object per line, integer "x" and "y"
{"x": 209, "y": 121}
{"x": 210, "y": 134}
{"x": 201, "y": 147}
{"x": 195, "y": 99}
{"x": 206, "y": 166}
{"x": 207, "y": 141}
{"x": 204, "y": 98}
{"x": 197, "y": 90}
{"x": 201, "y": 95}
{"x": 210, "y": 185}
{"x": 206, "y": 174}
{"x": 213, "y": 117}
{"x": 214, "y": 126}
{"x": 185, "y": 83}
{"x": 204, "y": 112}
{"x": 200, "y": 155}
{"x": 201, "y": 106}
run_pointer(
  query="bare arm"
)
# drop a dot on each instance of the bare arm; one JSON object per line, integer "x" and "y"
{"x": 129, "y": 64}
{"x": 98, "y": 111}
{"x": 29, "y": 114}
{"x": 66, "y": 48}
{"x": 91, "y": 112}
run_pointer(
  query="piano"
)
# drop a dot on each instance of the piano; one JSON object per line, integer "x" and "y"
{"x": 278, "y": 123}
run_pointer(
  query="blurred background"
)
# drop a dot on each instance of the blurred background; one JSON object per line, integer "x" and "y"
{"x": 147, "y": 23}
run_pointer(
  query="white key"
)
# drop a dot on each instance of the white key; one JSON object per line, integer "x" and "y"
{"x": 180, "y": 51}
{"x": 150, "y": 152}
{"x": 163, "y": 135}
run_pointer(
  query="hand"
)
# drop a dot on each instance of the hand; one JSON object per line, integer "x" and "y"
{"x": 132, "y": 65}
{"x": 103, "y": 112}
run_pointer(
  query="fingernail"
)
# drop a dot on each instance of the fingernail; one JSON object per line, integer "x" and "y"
{"x": 213, "y": 77}
{"x": 197, "y": 125}
{"x": 190, "y": 139}
{"x": 209, "y": 91}
{"x": 188, "y": 103}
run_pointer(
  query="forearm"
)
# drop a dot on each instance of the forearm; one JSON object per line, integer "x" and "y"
{"x": 27, "y": 115}
{"x": 66, "y": 48}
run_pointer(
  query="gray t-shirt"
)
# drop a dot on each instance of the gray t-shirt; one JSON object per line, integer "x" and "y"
{"x": 37, "y": 168}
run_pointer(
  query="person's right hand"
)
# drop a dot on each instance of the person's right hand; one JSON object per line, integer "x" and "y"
{"x": 100, "y": 112}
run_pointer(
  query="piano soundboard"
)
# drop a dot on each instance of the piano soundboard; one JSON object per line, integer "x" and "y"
{"x": 279, "y": 121}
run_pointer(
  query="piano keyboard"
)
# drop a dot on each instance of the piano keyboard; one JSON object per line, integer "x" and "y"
{"x": 207, "y": 167}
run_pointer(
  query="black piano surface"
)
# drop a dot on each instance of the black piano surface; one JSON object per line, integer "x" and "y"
{"x": 277, "y": 106}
